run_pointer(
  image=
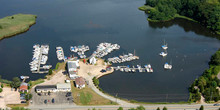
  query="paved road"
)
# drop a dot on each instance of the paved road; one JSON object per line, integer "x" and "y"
{"x": 114, "y": 107}
{"x": 120, "y": 102}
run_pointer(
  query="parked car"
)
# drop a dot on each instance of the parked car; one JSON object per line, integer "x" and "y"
{"x": 45, "y": 101}
{"x": 23, "y": 102}
{"x": 53, "y": 100}
{"x": 39, "y": 94}
{"x": 103, "y": 71}
{"x": 216, "y": 105}
{"x": 68, "y": 94}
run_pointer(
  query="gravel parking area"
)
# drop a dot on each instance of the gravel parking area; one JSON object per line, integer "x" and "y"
{"x": 57, "y": 98}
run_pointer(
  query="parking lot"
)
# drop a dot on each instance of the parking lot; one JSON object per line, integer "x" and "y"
{"x": 55, "y": 98}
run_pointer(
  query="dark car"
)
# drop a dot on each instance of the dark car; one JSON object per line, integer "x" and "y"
{"x": 53, "y": 100}
{"x": 68, "y": 94}
{"x": 23, "y": 102}
{"x": 103, "y": 71}
{"x": 39, "y": 94}
{"x": 45, "y": 101}
{"x": 216, "y": 105}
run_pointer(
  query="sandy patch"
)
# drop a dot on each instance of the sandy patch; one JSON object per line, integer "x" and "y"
{"x": 9, "y": 97}
{"x": 58, "y": 77}
{"x": 87, "y": 70}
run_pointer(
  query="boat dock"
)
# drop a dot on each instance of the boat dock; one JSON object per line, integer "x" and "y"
{"x": 123, "y": 58}
{"x": 133, "y": 69}
{"x": 60, "y": 53}
{"x": 104, "y": 49}
{"x": 80, "y": 50}
{"x": 40, "y": 57}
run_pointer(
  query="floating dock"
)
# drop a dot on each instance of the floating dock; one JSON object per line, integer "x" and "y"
{"x": 134, "y": 69}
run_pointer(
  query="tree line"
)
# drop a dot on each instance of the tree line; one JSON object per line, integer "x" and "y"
{"x": 207, "y": 84}
{"x": 207, "y": 12}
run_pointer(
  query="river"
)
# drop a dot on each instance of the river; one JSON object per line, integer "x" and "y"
{"x": 90, "y": 22}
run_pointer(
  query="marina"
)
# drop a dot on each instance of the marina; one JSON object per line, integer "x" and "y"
{"x": 80, "y": 50}
{"x": 40, "y": 57}
{"x": 134, "y": 32}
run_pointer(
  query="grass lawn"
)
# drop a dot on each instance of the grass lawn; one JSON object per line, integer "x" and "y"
{"x": 15, "y": 24}
{"x": 33, "y": 83}
{"x": 87, "y": 96}
{"x": 16, "y": 105}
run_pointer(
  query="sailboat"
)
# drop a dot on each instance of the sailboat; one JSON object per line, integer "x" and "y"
{"x": 164, "y": 46}
{"x": 163, "y": 54}
{"x": 167, "y": 66}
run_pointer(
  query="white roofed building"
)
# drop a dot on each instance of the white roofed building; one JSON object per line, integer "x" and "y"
{"x": 64, "y": 87}
{"x": 73, "y": 67}
{"x": 92, "y": 60}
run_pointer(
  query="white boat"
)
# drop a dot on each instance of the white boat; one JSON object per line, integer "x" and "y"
{"x": 164, "y": 46}
{"x": 72, "y": 49}
{"x": 122, "y": 69}
{"x": 163, "y": 54}
{"x": 167, "y": 66}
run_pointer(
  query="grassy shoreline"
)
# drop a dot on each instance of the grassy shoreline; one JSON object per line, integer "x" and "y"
{"x": 16, "y": 24}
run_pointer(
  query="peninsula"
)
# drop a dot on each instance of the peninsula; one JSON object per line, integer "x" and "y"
{"x": 16, "y": 24}
{"x": 205, "y": 12}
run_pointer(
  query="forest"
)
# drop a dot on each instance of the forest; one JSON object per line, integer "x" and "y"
{"x": 208, "y": 84}
{"x": 206, "y": 12}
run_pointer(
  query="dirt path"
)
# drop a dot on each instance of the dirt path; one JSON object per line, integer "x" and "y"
{"x": 90, "y": 71}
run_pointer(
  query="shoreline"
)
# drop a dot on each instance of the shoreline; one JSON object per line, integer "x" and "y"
{"x": 23, "y": 27}
{"x": 14, "y": 34}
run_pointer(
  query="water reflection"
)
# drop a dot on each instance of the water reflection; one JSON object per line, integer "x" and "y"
{"x": 188, "y": 26}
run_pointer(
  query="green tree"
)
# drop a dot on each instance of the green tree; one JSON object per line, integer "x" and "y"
{"x": 215, "y": 59}
{"x": 15, "y": 82}
{"x": 201, "y": 108}
{"x": 28, "y": 97}
{"x": 1, "y": 90}
{"x": 2, "y": 85}
{"x": 140, "y": 108}
{"x": 120, "y": 108}
{"x": 158, "y": 108}
{"x": 96, "y": 81}
{"x": 164, "y": 108}
{"x": 50, "y": 72}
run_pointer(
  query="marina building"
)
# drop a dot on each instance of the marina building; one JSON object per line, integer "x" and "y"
{"x": 23, "y": 87}
{"x": 63, "y": 87}
{"x": 60, "y": 87}
{"x": 73, "y": 67}
{"x": 80, "y": 82}
{"x": 45, "y": 88}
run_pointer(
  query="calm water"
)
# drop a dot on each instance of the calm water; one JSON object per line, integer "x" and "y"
{"x": 90, "y": 22}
